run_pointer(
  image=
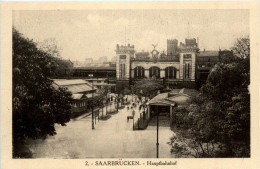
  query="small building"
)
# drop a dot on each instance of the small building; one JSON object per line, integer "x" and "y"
{"x": 164, "y": 102}
{"x": 81, "y": 91}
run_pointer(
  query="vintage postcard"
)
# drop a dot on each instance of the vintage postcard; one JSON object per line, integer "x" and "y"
{"x": 130, "y": 84}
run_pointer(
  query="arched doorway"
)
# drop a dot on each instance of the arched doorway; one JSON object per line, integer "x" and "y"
{"x": 154, "y": 71}
{"x": 139, "y": 72}
{"x": 170, "y": 72}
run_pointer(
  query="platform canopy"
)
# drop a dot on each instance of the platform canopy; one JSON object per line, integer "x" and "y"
{"x": 170, "y": 99}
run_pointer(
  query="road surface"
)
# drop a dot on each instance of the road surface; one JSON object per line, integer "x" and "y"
{"x": 113, "y": 138}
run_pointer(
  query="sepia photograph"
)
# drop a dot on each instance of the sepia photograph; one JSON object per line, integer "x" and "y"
{"x": 132, "y": 84}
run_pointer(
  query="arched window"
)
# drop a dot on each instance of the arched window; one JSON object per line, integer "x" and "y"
{"x": 139, "y": 72}
{"x": 154, "y": 71}
{"x": 170, "y": 72}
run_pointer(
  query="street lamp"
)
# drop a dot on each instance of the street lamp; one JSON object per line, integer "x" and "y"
{"x": 117, "y": 103}
{"x": 92, "y": 107}
{"x": 133, "y": 113}
{"x": 157, "y": 143}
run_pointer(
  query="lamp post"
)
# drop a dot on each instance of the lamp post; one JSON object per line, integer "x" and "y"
{"x": 110, "y": 106}
{"x": 117, "y": 103}
{"x": 157, "y": 143}
{"x": 132, "y": 92}
{"x": 92, "y": 107}
{"x": 133, "y": 113}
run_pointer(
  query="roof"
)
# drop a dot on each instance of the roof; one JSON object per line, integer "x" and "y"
{"x": 103, "y": 84}
{"x": 75, "y": 85}
{"x": 79, "y": 88}
{"x": 95, "y": 68}
{"x": 176, "y": 96}
{"x": 77, "y": 96}
{"x": 64, "y": 82}
{"x": 159, "y": 98}
{"x": 90, "y": 95}
{"x": 208, "y": 53}
{"x": 180, "y": 98}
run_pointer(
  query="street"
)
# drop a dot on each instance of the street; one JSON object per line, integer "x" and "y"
{"x": 113, "y": 138}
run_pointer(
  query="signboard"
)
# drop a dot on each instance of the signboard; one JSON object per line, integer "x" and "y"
{"x": 122, "y": 56}
{"x": 187, "y": 56}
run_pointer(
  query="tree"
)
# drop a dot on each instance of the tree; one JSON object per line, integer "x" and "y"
{"x": 147, "y": 88}
{"x": 37, "y": 105}
{"x": 62, "y": 68}
{"x": 227, "y": 56}
{"x": 218, "y": 124}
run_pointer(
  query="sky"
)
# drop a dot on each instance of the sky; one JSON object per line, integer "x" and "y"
{"x": 82, "y": 34}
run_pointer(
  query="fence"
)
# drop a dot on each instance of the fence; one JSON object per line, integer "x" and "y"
{"x": 142, "y": 121}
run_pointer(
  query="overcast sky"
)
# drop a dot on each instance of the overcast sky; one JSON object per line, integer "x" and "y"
{"x": 95, "y": 33}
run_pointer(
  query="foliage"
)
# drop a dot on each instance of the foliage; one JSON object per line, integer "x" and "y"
{"x": 227, "y": 56}
{"x": 147, "y": 88}
{"x": 37, "y": 105}
{"x": 62, "y": 68}
{"x": 126, "y": 91}
{"x": 96, "y": 101}
{"x": 242, "y": 48}
{"x": 217, "y": 123}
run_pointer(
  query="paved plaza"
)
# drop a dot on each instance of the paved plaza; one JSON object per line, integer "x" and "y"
{"x": 113, "y": 138}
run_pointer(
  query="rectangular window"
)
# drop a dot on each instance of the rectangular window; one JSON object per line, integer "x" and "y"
{"x": 124, "y": 70}
{"x": 120, "y": 71}
{"x": 188, "y": 70}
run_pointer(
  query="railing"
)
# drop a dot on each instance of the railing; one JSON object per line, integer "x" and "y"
{"x": 142, "y": 121}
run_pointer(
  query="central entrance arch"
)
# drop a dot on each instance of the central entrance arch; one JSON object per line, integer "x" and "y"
{"x": 154, "y": 71}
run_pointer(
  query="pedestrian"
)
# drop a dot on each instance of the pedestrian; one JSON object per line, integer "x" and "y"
{"x": 133, "y": 113}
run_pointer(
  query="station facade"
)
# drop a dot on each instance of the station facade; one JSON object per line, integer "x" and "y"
{"x": 179, "y": 67}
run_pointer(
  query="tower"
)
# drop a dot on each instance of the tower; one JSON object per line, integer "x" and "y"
{"x": 123, "y": 57}
{"x": 172, "y": 45}
{"x": 188, "y": 59}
